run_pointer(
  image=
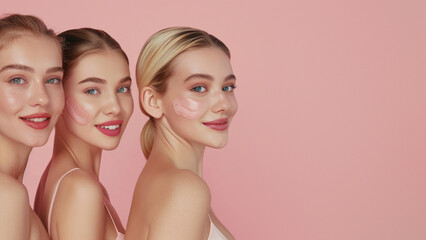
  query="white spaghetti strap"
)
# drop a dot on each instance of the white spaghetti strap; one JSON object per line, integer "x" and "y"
{"x": 215, "y": 234}
{"x": 53, "y": 198}
{"x": 112, "y": 219}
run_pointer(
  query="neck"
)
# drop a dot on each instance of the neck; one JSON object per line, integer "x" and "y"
{"x": 181, "y": 153}
{"x": 13, "y": 158}
{"x": 77, "y": 153}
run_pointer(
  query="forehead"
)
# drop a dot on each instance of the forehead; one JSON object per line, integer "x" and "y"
{"x": 104, "y": 64}
{"x": 38, "y": 52}
{"x": 211, "y": 60}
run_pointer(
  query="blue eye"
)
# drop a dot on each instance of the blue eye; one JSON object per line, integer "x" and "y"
{"x": 199, "y": 89}
{"x": 92, "y": 91}
{"x": 123, "y": 89}
{"x": 229, "y": 88}
{"x": 17, "y": 80}
{"x": 53, "y": 81}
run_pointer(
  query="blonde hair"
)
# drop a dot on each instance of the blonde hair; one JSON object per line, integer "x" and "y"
{"x": 155, "y": 65}
{"x": 15, "y": 25}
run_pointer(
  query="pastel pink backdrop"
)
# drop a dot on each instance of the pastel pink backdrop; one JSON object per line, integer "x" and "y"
{"x": 330, "y": 138}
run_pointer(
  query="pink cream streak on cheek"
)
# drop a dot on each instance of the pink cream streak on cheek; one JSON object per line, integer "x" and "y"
{"x": 187, "y": 108}
{"x": 78, "y": 114}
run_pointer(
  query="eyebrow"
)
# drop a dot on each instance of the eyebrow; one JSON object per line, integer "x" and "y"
{"x": 55, "y": 69}
{"x": 125, "y": 79}
{"x": 208, "y": 77}
{"x": 93, "y": 79}
{"x": 29, "y": 69}
{"x": 17, "y": 67}
{"x": 102, "y": 81}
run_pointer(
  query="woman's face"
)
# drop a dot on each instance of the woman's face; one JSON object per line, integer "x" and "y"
{"x": 31, "y": 94}
{"x": 98, "y": 102}
{"x": 199, "y": 102}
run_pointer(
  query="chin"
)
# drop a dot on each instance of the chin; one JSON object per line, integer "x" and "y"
{"x": 218, "y": 144}
{"x": 109, "y": 147}
{"x": 35, "y": 142}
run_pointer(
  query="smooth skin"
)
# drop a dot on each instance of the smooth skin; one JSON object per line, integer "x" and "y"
{"x": 171, "y": 199}
{"x": 100, "y": 83}
{"x": 30, "y": 83}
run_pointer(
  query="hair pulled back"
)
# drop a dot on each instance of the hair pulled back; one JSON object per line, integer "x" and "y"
{"x": 80, "y": 42}
{"x": 154, "y": 65}
{"x": 16, "y": 25}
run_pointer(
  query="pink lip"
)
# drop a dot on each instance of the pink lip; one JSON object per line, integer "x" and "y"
{"x": 36, "y": 125}
{"x": 110, "y": 132}
{"x": 219, "y": 124}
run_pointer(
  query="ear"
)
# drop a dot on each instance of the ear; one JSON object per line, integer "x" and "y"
{"x": 150, "y": 102}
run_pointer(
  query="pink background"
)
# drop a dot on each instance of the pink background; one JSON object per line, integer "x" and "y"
{"x": 330, "y": 138}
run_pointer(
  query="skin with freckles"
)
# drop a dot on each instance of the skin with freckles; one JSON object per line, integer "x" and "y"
{"x": 31, "y": 101}
{"x": 77, "y": 113}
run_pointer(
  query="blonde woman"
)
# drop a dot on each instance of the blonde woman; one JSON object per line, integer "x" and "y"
{"x": 71, "y": 200}
{"x": 186, "y": 88}
{"x": 31, "y": 100}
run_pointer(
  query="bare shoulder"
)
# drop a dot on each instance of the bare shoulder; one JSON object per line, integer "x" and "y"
{"x": 12, "y": 191}
{"x": 14, "y": 208}
{"x": 185, "y": 185}
{"x": 180, "y": 206}
{"x": 79, "y": 186}
{"x": 177, "y": 193}
{"x": 78, "y": 210}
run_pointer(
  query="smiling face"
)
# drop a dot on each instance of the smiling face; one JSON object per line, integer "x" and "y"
{"x": 31, "y": 94}
{"x": 199, "y": 102}
{"x": 98, "y": 99}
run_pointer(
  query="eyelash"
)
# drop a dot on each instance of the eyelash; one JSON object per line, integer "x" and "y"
{"x": 22, "y": 81}
{"x": 97, "y": 91}
{"x": 232, "y": 86}
{"x": 198, "y": 87}
{"x": 57, "y": 80}
{"x": 90, "y": 90}
{"x": 13, "y": 80}
{"x": 124, "y": 87}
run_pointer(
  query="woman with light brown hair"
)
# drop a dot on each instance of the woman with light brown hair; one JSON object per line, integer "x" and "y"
{"x": 31, "y": 100}
{"x": 71, "y": 200}
{"x": 186, "y": 88}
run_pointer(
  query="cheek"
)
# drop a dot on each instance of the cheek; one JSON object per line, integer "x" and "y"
{"x": 79, "y": 114}
{"x": 12, "y": 100}
{"x": 233, "y": 106}
{"x": 127, "y": 107}
{"x": 56, "y": 99}
{"x": 189, "y": 108}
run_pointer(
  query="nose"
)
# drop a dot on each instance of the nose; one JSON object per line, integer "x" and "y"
{"x": 112, "y": 105}
{"x": 38, "y": 94}
{"x": 221, "y": 102}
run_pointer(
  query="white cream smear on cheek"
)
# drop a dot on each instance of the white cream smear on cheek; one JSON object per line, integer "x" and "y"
{"x": 187, "y": 108}
{"x": 77, "y": 113}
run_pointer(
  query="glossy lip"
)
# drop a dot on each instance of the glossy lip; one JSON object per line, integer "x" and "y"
{"x": 110, "y": 132}
{"x": 43, "y": 120}
{"x": 219, "y": 124}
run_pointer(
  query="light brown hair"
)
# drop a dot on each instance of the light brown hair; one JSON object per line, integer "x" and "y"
{"x": 15, "y": 25}
{"x": 80, "y": 42}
